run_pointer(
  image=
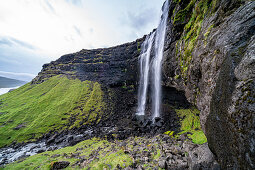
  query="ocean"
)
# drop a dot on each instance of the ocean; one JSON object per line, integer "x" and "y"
{"x": 5, "y": 90}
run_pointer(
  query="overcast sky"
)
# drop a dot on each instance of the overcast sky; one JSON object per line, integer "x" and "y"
{"x": 34, "y": 32}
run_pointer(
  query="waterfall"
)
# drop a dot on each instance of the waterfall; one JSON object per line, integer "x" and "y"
{"x": 144, "y": 73}
{"x": 157, "y": 63}
{"x": 156, "y": 39}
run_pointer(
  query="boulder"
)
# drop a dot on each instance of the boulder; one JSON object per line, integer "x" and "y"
{"x": 59, "y": 165}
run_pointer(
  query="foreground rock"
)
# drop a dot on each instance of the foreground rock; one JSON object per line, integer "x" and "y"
{"x": 159, "y": 151}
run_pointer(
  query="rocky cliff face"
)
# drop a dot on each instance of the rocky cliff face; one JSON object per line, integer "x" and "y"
{"x": 210, "y": 55}
{"x": 116, "y": 69}
{"x": 116, "y": 66}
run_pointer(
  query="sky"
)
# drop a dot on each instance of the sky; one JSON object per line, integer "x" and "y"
{"x": 35, "y": 32}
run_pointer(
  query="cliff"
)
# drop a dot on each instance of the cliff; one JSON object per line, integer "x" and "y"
{"x": 210, "y": 55}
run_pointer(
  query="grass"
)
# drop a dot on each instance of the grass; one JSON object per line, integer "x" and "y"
{"x": 41, "y": 108}
{"x": 87, "y": 149}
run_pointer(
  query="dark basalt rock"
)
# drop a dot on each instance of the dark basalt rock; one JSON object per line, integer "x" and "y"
{"x": 59, "y": 165}
{"x": 220, "y": 78}
{"x": 19, "y": 126}
{"x": 115, "y": 66}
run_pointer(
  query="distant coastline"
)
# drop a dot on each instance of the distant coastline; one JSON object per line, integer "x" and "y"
{"x": 6, "y": 90}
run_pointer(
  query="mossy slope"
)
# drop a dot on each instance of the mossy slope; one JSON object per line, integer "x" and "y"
{"x": 32, "y": 110}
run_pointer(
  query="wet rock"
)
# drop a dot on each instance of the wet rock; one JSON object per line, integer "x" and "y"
{"x": 59, "y": 165}
{"x": 162, "y": 164}
{"x": 19, "y": 127}
{"x": 219, "y": 77}
{"x": 55, "y": 156}
{"x": 202, "y": 158}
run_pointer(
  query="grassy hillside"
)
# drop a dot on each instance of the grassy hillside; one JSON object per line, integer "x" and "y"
{"x": 7, "y": 82}
{"x": 32, "y": 110}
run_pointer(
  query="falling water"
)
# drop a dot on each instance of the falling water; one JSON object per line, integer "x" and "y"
{"x": 144, "y": 73}
{"x": 159, "y": 38}
{"x": 157, "y": 63}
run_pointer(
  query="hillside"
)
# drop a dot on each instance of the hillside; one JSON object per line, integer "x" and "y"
{"x": 33, "y": 110}
{"x": 7, "y": 82}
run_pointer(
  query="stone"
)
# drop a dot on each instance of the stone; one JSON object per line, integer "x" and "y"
{"x": 201, "y": 158}
{"x": 162, "y": 164}
{"x": 59, "y": 165}
{"x": 19, "y": 126}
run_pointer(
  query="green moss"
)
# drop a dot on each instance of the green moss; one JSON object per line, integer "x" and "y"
{"x": 190, "y": 123}
{"x": 176, "y": 77}
{"x": 138, "y": 46}
{"x": 197, "y": 10}
{"x": 84, "y": 149}
{"x": 156, "y": 157}
{"x": 47, "y": 107}
{"x": 190, "y": 119}
{"x": 208, "y": 31}
{"x": 170, "y": 133}
{"x": 183, "y": 14}
{"x": 198, "y": 137}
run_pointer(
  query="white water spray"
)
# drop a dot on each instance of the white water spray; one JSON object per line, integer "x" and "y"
{"x": 144, "y": 73}
{"x": 159, "y": 38}
{"x": 157, "y": 63}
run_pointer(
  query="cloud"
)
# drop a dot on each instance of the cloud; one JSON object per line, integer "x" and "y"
{"x": 4, "y": 41}
{"x": 10, "y": 41}
{"x": 16, "y": 57}
{"x": 91, "y": 30}
{"x": 141, "y": 19}
{"x": 35, "y": 32}
{"x": 18, "y": 76}
{"x": 50, "y": 7}
{"x": 75, "y": 2}
{"x": 78, "y": 31}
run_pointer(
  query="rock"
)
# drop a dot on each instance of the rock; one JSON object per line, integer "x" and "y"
{"x": 59, "y": 165}
{"x": 202, "y": 158}
{"x": 19, "y": 127}
{"x": 55, "y": 156}
{"x": 218, "y": 77}
{"x": 146, "y": 159}
{"x": 140, "y": 167}
{"x": 162, "y": 164}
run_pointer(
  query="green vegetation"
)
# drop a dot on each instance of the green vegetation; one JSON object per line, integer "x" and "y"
{"x": 138, "y": 46}
{"x": 33, "y": 110}
{"x": 196, "y": 10}
{"x": 190, "y": 124}
{"x": 183, "y": 14}
{"x": 98, "y": 153}
{"x": 208, "y": 31}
